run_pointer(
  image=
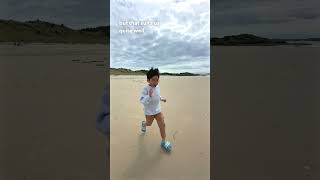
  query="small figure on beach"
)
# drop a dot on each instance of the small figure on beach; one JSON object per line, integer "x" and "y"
{"x": 150, "y": 98}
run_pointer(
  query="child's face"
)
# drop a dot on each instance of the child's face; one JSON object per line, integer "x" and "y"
{"x": 154, "y": 81}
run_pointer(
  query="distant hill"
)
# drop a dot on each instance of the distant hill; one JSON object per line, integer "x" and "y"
{"x": 307, "y": 39}
{"x": 123, "y": 71}
{"x": 45, "y": 32}
{"x": 312, "y": 39}
{"x": 249, "y": 39}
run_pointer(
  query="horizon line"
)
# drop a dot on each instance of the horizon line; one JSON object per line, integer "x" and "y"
{"x": 108, "y": 25}
{"x": 201, "y": 73}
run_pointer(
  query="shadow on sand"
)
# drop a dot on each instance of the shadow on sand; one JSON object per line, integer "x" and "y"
{"x": 145, "y": 162}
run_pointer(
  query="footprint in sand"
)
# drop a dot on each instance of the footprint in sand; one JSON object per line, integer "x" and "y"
{"x": 174, "y": 134}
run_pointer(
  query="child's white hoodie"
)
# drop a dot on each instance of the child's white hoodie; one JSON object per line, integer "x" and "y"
{"x": 151, "y": 104}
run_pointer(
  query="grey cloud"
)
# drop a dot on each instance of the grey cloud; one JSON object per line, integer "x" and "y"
{"x": 306, "y": 13}
{"x": 182, "y": 46}
{"x": 267, "y": 17}
{"x": 171, "y": 45}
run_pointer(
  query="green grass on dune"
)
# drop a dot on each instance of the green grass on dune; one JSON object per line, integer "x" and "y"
{"x": 44, "y": 32}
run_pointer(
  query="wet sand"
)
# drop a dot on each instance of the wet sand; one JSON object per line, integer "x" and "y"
{"x": 48, "y": 106}
{"x": 187, "y": 117}
{"x": 266, "y": 113}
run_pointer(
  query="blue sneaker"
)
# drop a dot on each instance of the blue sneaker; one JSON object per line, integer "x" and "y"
{"x": 166, "y": 145}
{"x": 143, "y": 126}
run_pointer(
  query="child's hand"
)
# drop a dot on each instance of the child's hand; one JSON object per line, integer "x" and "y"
{"x": 150, "y": 92}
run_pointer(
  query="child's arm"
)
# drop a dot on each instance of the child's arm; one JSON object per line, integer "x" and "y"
{"x": 161, "y": 98}
{"x": 145, "y": 97}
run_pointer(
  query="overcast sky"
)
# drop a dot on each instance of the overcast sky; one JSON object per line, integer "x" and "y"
{"x": 270, "y": 18}
{"x": 181, "y": 42}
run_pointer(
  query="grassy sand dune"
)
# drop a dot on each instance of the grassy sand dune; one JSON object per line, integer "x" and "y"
{"x": 45, "y": 32}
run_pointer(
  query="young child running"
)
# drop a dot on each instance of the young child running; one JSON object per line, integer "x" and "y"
{"x": 151, "y": 98}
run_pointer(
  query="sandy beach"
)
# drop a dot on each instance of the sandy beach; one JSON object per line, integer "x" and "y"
{"x": 266, "y": 118}
{"x": 48, "y": 106}
{"x": 187, "y": 117}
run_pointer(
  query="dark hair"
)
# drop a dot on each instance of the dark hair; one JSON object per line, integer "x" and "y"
{"x": 153, "y": 72}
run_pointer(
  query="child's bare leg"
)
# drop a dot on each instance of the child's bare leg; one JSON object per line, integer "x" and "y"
{"x": 149, "y": 120}
{"x": 160, "y": 120}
